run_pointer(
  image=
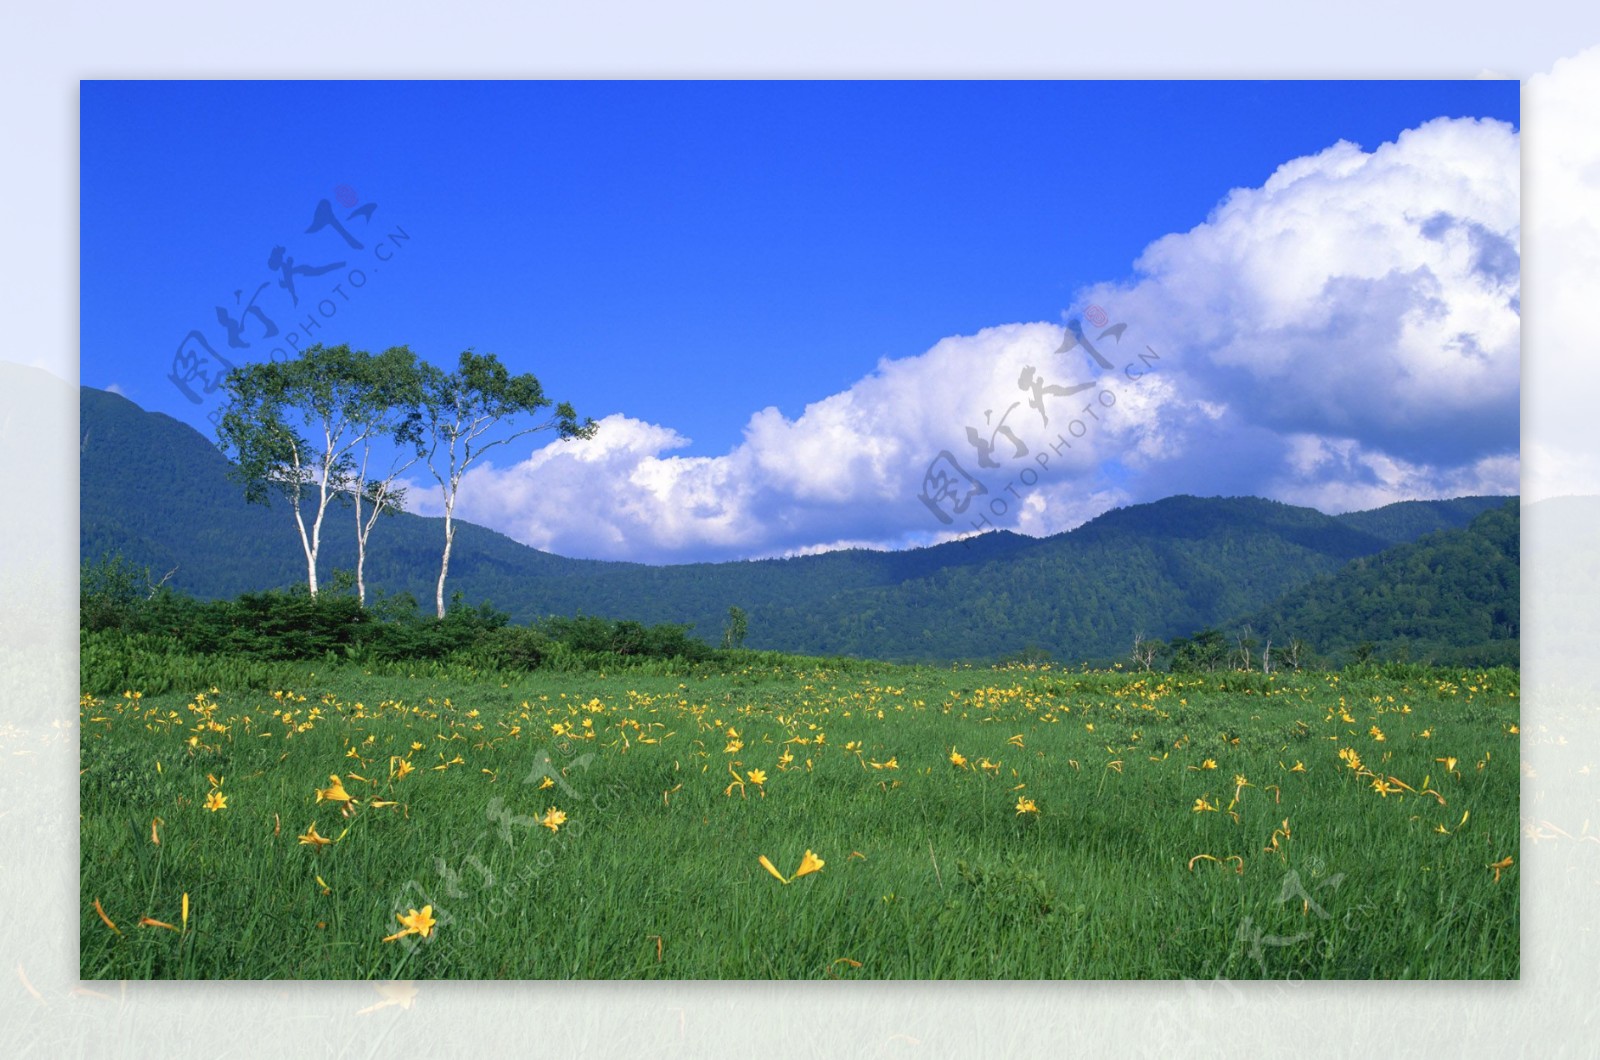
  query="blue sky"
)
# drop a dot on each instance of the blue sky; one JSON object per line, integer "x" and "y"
{"x": 678, "y": 258}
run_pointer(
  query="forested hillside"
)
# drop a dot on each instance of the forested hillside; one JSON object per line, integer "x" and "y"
{"x": 1447, "y": 597}
{"x": 158, "y": 492}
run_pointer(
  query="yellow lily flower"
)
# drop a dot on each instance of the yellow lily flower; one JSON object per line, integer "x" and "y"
{"x": 334, "y": 792}
{"x": 808, "y": 864}
{"x": 415, "y": 923}
{"x": 772, "y": 869}
{"x": 312, "y": 839}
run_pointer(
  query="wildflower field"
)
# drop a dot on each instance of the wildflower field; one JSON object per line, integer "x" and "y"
{"x": 804, "y": 819}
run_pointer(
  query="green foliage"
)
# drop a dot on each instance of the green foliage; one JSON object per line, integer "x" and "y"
{"x": 112, "y": 661}
{"x": 930, "y": 872}
{"x": 738, "y": 627}
{"x": 600, "y": 637}
{"x": 173, "y": 634}
{"x": 115, "y": 775}
{"x": 110, "y": 591}
{"x": 155, "y": 490}
{"x": 1452, "y": 596}
{"x": 460, "y": 408}
{"x": 1010, "y": 891}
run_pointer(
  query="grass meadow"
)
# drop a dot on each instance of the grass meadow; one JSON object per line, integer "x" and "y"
{"x": 919, "y": 823}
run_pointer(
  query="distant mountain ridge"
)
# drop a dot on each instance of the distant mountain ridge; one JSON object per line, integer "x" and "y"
{"x": 1450, "y": 595}
{"x": 157, "y": 491}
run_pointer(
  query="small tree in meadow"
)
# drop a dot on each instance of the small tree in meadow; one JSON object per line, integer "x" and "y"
{"x": 461, "y": 408}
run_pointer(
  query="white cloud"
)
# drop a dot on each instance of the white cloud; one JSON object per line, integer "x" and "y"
{"x": 1373, "y": 294}
{"x": 1340, "y": 475}
{"x": 1344, "y": 335}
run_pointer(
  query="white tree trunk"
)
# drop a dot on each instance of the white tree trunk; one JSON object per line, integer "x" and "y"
{"x": 361, "y": 551}
{"x": 449, "y": 540}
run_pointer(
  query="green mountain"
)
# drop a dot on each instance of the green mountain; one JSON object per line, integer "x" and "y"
{"x": 158, "y": 492}
{"x": 1450, "y": 596}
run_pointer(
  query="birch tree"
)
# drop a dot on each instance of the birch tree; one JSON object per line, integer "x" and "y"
{"x": 462, "y": 408}
{"x": 292, "y": 428}
{"x": 390, "y": 415}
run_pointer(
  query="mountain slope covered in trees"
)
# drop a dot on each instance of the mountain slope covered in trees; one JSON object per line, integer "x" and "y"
{"x": 157, "y": 492}
{"x": 1450, "y": 596}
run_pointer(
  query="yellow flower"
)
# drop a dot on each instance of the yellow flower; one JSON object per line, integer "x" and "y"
{"x": 1376, "y": 733}
{"x": 403, "y": 769}
{"x": 1383, "y": 787}
{"x": 734, "y": 747}
{"x": 772, "y": 869}
{"x": 1503, "y": 863}
{"x": 1026, "y": 805}
{"x": 186, "y": 910}
{"x": 415, "y": 923}
{"x": 1201, "y": 806}
{"x": 958, "y": 759}
{"x": 808, "y": 864}
{"x": 216, "y": 801}
{"x": 107, "y": 920}
{"x": 334, "y": 792}
{"x": 312, "y": 839}
{"x": 415, "y": 746}
{"x": 546, "y": 783}
{"x": 756, "y": 776}
{"x": 1449, "y": 764}
{"x": 1210, "y": 763}
{"x": 1350, "y": 758}
{"x": 1298, "y": 767}
{"x": 553, "y": 820}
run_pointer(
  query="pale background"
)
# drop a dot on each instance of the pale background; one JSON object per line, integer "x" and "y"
{"x": 45, "y": 1011}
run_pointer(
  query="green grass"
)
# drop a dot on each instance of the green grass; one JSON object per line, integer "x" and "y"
{"x": 930, "y": 870}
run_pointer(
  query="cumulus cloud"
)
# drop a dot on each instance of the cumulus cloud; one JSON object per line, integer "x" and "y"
{"x": 1344, "y": 335}
{"x": 1359, "y": 295}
